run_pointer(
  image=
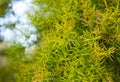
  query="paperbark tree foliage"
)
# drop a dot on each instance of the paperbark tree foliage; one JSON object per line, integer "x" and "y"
{"x": 80, "y": 42}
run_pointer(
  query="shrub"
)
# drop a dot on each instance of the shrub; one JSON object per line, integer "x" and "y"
{"x": 80, "y": 42}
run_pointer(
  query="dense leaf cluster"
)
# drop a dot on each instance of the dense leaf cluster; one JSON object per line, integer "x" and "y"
{"x": 80, "y": 42}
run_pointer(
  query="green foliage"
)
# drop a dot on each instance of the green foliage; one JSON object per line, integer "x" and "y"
{"x": 80, "y": 42}
{"x": 4, "y": 6}
{"x": 16, "y": 52}
{"x": 15, "y": 55}
{"x": 6, "y": 74}
{"x": 20, "y": 67}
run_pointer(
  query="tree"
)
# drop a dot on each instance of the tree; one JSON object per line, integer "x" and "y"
{"x": 80, "y": 42}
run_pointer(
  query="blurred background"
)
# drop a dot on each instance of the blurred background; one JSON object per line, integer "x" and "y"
{"x": 15, "y": 28}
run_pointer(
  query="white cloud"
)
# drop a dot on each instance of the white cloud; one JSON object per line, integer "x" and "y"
{"x": 20, "y": 8}
{"x": 1, "y": 21}
{"x": 10, "y": 19}
{"x": 8, "y": 35}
